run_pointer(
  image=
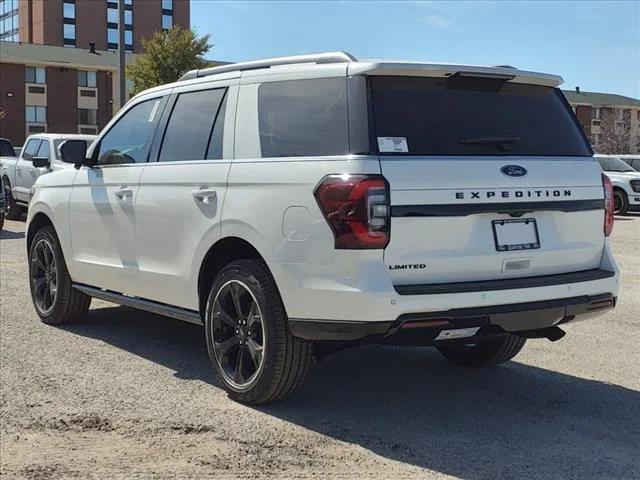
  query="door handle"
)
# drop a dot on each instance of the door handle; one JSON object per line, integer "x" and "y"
{"x": 123, "y": 193}
{"x": 18, "y": 169}
{"x": 204, "y": 195}
{"x": 33, "y": 172}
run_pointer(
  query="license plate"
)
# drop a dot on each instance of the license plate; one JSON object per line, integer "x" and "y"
{"x": 520, "y": 234}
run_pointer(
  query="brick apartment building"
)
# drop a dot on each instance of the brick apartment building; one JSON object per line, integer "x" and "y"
{"x": 611, "y": 122}
{"x": 49, "y": 78}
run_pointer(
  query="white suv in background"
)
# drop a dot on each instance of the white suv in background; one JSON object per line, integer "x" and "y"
{"x": 324, "y": 201}
{"x": 626, "y": 183}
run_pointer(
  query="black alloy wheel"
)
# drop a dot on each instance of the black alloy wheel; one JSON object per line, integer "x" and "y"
{"x": 44, "y": 276}
{"x": 238, "y": 334}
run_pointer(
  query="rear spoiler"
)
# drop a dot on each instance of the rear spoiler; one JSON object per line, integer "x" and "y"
{"x": 445, "y": 70}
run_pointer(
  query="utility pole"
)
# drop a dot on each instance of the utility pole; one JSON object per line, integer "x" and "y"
{"x": 121, "y": 54}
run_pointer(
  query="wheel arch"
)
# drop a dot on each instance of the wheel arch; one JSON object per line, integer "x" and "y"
{"x": 220, "y": 254}
{"x": 38, "y": 221}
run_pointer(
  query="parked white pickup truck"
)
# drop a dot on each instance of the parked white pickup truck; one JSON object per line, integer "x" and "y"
{"x": 18, "y": 174}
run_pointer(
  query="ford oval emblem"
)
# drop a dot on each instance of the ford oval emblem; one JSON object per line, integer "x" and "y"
{"x": 514, "y": 170}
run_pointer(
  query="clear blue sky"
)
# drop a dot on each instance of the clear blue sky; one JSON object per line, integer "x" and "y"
{"x": 592, "y": 44}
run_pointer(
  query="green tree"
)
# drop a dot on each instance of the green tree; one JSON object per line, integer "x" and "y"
{"x": 166, "y": 56}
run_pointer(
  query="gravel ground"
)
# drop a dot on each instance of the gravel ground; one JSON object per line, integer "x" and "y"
{"x": 130, "y": 395}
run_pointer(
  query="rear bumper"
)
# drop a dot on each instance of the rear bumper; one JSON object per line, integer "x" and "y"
{"x": 495, "y": 319}
{"x": 357, "y": 300}
{"x": 506, "y": 284}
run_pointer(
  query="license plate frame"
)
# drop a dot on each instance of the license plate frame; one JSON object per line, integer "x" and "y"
{"x": 501, "y": 246}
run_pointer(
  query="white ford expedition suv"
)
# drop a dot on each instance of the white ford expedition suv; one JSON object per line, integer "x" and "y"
{"x": 320, "y": 201}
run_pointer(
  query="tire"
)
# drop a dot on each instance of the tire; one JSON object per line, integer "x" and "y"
{"x": 487, "y": 354}
{"x": 12, "y": 211}
{"x": 66, "y": 305}
{"x": 283, "y": 361}
{"x": 621, "y": 202}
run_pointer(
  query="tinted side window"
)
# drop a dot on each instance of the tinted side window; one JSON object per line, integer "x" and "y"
{"x": 58, "y": 143}
{"x": 31, "y": 148}
{"x": 190, "y": 126}
{"x": 129, "y": 139}
{"x": 214, "y": 152}
{"x": 603, "y": 163}
{"x": 303, "y": 117}
{"x": 5, "y": 149}
{"x": 44, "y": 151}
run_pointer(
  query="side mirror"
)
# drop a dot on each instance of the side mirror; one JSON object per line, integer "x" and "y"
{"x": 74, "y": 151}
{"x": 41, "y": 162}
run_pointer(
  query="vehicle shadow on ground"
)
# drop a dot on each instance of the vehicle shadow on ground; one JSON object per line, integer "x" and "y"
{"x": 409, "y": 405}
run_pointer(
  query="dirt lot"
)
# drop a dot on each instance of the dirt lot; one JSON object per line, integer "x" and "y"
{"x": 130, "y": 395}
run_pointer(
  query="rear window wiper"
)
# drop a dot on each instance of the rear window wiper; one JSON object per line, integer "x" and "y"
{"x": 504, "y": 143}
{"x": 489, "y": 140}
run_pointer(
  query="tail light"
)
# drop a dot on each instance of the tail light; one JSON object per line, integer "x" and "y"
{"x": 357, "y": 209}
{"x": 609, "y": 206}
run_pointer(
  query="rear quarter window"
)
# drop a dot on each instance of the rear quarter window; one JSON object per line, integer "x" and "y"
{"x": 189, "y": 131}
{"x": 475, "y": 116}
{"x": 303, "y": 118}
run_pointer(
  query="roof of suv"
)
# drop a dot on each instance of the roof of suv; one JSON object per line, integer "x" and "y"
{"x": 299, "y": 63}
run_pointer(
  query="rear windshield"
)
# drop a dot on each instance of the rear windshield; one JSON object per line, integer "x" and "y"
{"x": 472, "y": 116}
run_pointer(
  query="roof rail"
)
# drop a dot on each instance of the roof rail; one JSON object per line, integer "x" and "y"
{"x": 328, "y": 57}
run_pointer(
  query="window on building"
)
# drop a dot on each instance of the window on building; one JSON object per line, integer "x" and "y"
{"x": 303, "y": 117}
{"x": 87, "y": 116}
{"x": 36, "y": 75}
{"x": 86, "y": 79}
{"x": 69, "y": 34}
{"x": 128, "y": 17}
{"x": 128, "y": 2}
{"x": 193, "y": 117}
{"x": 595, "y": 114}
{"x": 9, "y": 23}
{"x": 167, "y": 4}
{"x": 112, "y": 39}
{"x": 69, "y": 10}
{"x": 36, "y": 114}
{"x": 112, "y": 36}
{"x": 129, "y": 139}
{"x": 167, "y": 22}
{"x": 112, "y": 15}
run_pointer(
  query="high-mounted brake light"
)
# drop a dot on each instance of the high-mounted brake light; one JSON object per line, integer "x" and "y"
{"x": 609, "y": 205}
{"x": 357, "y": 209}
